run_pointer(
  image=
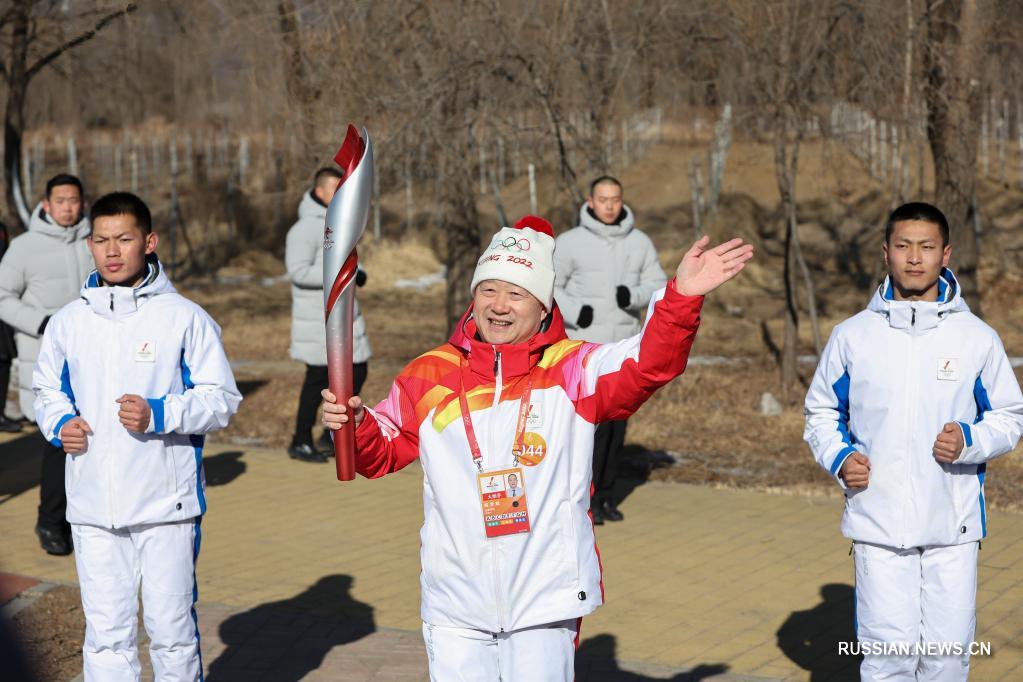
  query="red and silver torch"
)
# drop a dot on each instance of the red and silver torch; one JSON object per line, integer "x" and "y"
{"x": 345, "y": 223}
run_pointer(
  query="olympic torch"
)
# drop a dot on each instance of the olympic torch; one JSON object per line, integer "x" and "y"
{"x": 344, "y": 225}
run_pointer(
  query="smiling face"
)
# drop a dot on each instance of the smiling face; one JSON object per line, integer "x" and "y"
{"x": 915, "y": 254}
{"x": 505, "y": 313}
{"x": 119, "y": 247}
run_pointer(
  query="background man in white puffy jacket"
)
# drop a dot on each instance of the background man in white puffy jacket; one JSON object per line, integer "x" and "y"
{"x": 606, "y": 272}
{"x": 43, "y": 270}
{"x": 129, "y": 379}
{"x": 911, "y": 399}
{"x": 303, "y": 256}
{"x": 511, "y": 402}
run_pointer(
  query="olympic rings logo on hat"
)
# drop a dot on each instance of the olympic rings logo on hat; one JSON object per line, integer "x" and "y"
{"x": 510, "y": 243}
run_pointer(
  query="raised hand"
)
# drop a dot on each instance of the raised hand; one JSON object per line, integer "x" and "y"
{"x": 335, "y": 416}
{"x": 74, "y": 435}
{"x": 702, "y": 270}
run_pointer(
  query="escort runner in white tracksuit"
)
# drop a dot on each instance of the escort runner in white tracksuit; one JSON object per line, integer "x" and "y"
{"x": 502, "y": 419}
{"x": 889, "y": 379}
{"x": 135, "y": 500}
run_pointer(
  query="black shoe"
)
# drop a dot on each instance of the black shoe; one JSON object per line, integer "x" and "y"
{"x": 598, "y": 515}
{"x": 325, "y": 445}
{"x": 53, "y": 542}
{"x": 9, "y": 425}
{"x": 306, "y": 453}
{"x": 610, "y": 511}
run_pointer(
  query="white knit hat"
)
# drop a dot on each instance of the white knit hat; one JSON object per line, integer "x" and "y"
{"x": 522, "y": 255}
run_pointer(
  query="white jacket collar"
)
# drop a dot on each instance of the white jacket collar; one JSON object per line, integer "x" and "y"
{"x": 607, "y": 231}
{"x": 41, "y": 223}
{"x": 919, "y": 316}
{"x": 309, "y": 207}
{"x": 114, "y": 302}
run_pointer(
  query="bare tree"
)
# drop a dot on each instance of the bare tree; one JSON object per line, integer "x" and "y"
{"x": 36, "y": 40}
{"x": 957, "y": 31}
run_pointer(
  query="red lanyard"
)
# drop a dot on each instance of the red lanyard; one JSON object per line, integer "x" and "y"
{"x": 470, "y": 432}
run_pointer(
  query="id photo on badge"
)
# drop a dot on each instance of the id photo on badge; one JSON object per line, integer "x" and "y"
{"x": 512, "y": 485}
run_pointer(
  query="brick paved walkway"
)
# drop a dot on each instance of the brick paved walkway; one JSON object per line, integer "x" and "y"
{"x": 299, "y": 573}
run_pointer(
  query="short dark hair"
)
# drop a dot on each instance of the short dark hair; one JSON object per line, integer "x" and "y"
{"x": 63, "y": 179}
{"x": 601, "y": 180}
{"x": 123, "y": 203}
{"x": 326, "y": 172}
{"x": 917, "y": 210}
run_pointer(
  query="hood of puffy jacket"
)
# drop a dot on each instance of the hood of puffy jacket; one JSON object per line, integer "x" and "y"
{"x": 309, "y": 207}
{"x": 617, "y": 231}
{"x": 919, "y": 315}
{"x": 42, "y": 224}
{"x": 517, "y": 359}
{"x": 113, "y": 302}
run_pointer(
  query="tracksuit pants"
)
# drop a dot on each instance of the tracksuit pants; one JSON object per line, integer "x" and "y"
{"x": 920, "y": 594}
{"x": 112, "y": 564}
{"x": 545, "y": 653}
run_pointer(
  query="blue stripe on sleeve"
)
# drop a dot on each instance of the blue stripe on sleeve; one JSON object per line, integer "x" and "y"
{"x": 56, "y": 430}
{"x": 156, "y": 405}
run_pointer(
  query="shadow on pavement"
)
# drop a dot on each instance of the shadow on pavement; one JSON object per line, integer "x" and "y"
{"x": 810, "y": 638}
{"x": 249, "y": 386}
{"x": 597, "y": 661}
{"x": 286, "y": 640}
{"x": 20, "y": 462}
{"x": 635, "y": 464}
{"x": 223, "y": 467}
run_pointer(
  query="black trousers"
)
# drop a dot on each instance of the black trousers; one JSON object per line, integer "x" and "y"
{"x": 52, "y": 496}
{"x": 309, "y": 398}
{"x": 5, "y": 380}
{"x": 608, "y": 442}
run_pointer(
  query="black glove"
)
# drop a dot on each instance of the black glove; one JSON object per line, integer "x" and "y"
{"x": 360, "y": 278}
{"x": 42, "y": 325}
{"x": 585, "y": 317}
{"x": 624, "y": 296}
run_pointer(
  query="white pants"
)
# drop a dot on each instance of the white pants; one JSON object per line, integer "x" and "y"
{"x": 111, "y": 565}
{"x": 920, "y": 594}
{"x": 545, "y": 653}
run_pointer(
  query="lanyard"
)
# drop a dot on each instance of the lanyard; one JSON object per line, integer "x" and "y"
{"x": 470, "y": 432}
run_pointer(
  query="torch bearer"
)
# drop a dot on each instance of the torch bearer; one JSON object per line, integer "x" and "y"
{"x": 345, "y": 223}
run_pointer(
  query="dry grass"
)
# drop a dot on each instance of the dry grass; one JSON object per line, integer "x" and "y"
{"x": 709, "y": 418}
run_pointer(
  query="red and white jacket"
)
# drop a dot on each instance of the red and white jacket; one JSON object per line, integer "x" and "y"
{"x": 553, "y": 572}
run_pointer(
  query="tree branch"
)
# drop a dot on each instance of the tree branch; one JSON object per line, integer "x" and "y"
{"x": 78, "y": 40}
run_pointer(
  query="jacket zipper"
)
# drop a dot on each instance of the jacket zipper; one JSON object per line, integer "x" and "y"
{"x": 910, "y": 417}
{"x": 493, "y": 545}
{"x": 111, "y": 350}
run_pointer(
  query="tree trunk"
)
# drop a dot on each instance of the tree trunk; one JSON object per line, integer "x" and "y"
{"x": 956, "y": 32}
{"x": 299, "y": 89}
{"x": 14, "y": 112}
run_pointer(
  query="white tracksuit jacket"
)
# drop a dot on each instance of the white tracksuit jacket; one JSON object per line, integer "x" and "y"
{"x": 888, "y": 381}
{"x": 552, "y": 573}
{"x": 149, "y": 341}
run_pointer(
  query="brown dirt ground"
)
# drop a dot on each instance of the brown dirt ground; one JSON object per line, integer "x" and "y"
{"x": 52, "y": 632}
{"x": 710, "y": 417}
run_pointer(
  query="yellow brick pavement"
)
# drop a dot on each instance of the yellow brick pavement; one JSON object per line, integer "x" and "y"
{"x": 743, "y": 582}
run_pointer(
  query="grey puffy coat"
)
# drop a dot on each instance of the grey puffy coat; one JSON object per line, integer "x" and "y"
{"x": 42, "y": 271}
{"x": 303, "y": 256}
{"x": 590, "y": 262}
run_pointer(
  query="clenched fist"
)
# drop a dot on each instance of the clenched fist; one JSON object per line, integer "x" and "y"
{"x": 134, "y": 413}
{"x": 856, "y": 470}
{"x": 74, "y": 436}
{"x": 949, "y": 444}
